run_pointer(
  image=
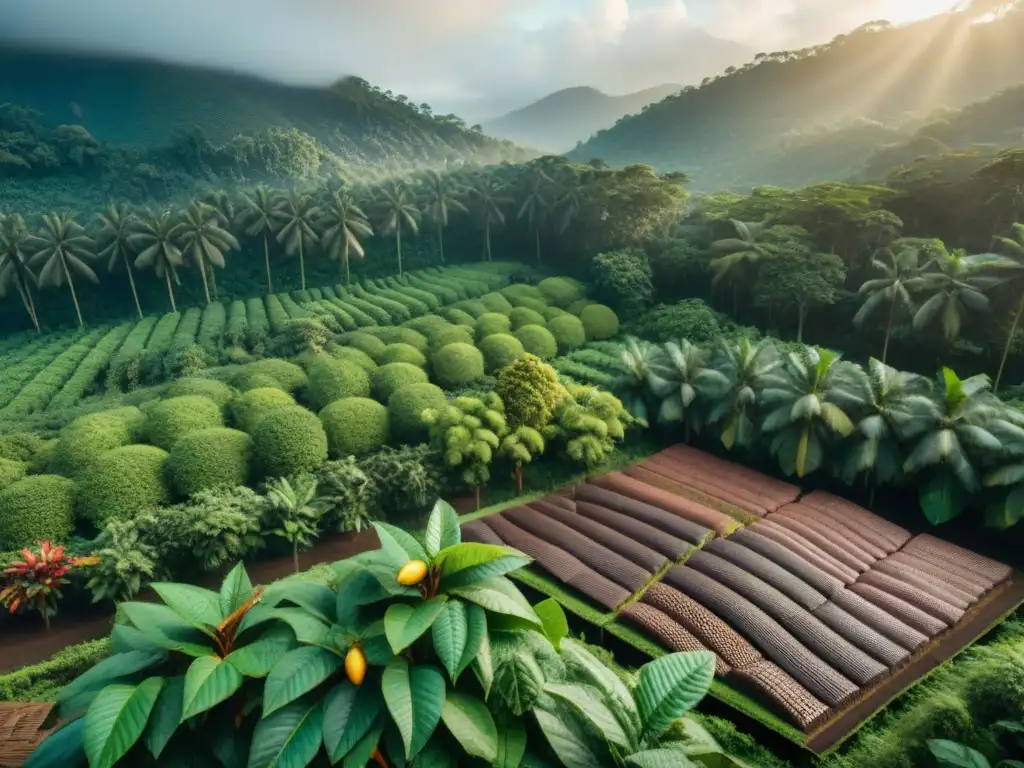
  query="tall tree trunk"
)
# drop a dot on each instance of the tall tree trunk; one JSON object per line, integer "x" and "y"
{"x": 487, "y": 239}
{"x": 440, "y": 241}
{"x": 170, "y": 290}
{"x": 74, "y": 296}
{"x": 131, "y": 281}
{"x": 206, "y": 284}
{"x": 476, "y": 489}
{"x": 344, "y": 260}
{"x": 302, "y": 265}
{"x": 398, "y": 243}
{"x": 800, "y": 325}
{"x": 28, "y": 306}
{"x": 519, "y": 477}
{"x": 1009, "y": 342}
{"x": 536, "y": 235}
{"x": 735, "y": 301}
{"x": 295, "y": 555}
{"x": 888, "y": 331}
{"x": 266, "y": 260}
{"x": 32, "y": 307}
{"x": 213, "y": 283}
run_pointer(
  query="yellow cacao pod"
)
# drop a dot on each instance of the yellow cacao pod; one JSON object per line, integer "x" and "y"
{"x": 412, "y": 573}
{"x": 355, "y": 665}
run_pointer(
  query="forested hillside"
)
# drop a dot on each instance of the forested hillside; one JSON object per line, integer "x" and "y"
{"x": 797, "y": 117}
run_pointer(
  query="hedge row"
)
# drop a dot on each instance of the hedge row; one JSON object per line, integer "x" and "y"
{"x": 90, "y": 368}
{"x": 26, "y": 365}
{"x": 211, "y": 327}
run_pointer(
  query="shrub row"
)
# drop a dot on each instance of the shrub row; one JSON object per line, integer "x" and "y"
{"x": 34, "y": 360}
{"x": 185, "y": 333}
{"x": 256, "y": 317}
{"x": 237, "y": 326}
{"x": 211, "y": 327}
{"x": 276, "y": 314}
{"x": 89, "y": 370}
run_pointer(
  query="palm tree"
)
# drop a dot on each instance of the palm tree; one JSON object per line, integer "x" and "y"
{"x": 899, "y": 405}
{"x": 440, "y": 198}
{"x": 748, "y": 368}
{"x": 679, "y": 379}
{"x": 536, "y": 204}
{"x": 631, "y": 387}
{"x": 296, "y": 216}
{"x": 62, "y": 249}
{"x": 258, "y": 218}
{"x": 222, "y": 204}
{"x": 811, "y": 402}
{"x": 344, "y": 223}
{"x": 963, "y": 430}
{"x": 397, "y": 211}
{"x": 1009, "y": 510}
{"x": 898, "y": 268}
{"x": 117, "y": 223}
{"x": 1015, "y": 248}
{"x": 486, "y": 191}
{"x": 738, "y": 253}
{"x": 295, "y": 512}
{"x": 14, "y": 264}
{"x": 155, "y": 243}
{"x": 568, "y": 202}
{"x": 202, "y": 239}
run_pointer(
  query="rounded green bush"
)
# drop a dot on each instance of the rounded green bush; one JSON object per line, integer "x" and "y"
{"x": 521, "y": 316}
{"x": 331, "y": 379}
{"x": 425, "y": 324}
{"x": 599, "y": 322}
{"x": 568, "y": 332}
{"x": 450, "y": 334}
{"x": 19, "y": 446}
{"x": 170, "y": 420}
{"x": 403, "y": 353}
{"x": 217, "y": 391}
{"x": 473, "y": 307}
{"x": 288, "y": 441}
{"x": 405, "y": 411}
{"x": 457, "y": 365}
{"x": 364, "y": 342}
{"x": 496, "y": 302}
{"x": 537, "y": 305}
{"x": 500, "y": 350}
{"x": 210, "y": 458}
{"x": 578, "y": 306}
{"x": 538, "y": 341}
{"x": 561, "y": 291}
{"x": 355, "y": 426}
{"x": 353, "y": 355}
{"x": 391, "y": 377}
{"x": 122, "y": 482}
{"x": 520, "y": 292}
{"x": 248, "y": 408}
{"x": 552, "y": 312}
{"x": 37, "y": 508}
{"x": 404, "y": 335}
{"x": 88, "y": 436}
{"x": 491, "y": 323}
{"x": 247, "y": 380}
{"x": 290, "y": 376}
{"x": 11, "y": 472}
{"x": 457, "y": 316}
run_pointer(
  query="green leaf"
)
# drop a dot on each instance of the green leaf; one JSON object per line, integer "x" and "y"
{"x": 465, "y": 564}
{"x": 476, "y": 632}
{"x": 308, "y": 629}
{"x": 954, "y": 753}
{"x": 941, "y": 498}
{"x": 568, "y": 741}
{"x": 660, "y": 758}
{"x": 498, "y": 595}
{"x": 349, "y": 714}
{"x": 470, "y": 722}
{"x": 376, "y": 647}
{"x": 208, "y": 682}
{"x": 357, "y": 587}
{"x": 235, "y": 591}
{"x": 670, "y": 686}
{"x": 116, "y": 719}
{"x": 414, "y": 697}
{"x": 519, "y": 681}
{"x": 289, "y": 738}
{"x": 361, "y": 753}
{"x": 442, "y": 528}
{"x": 437, "y": 754}
{"x": 599, "y": 675}
{"x": 483, "y": 661}
{"x": 164, "y": 627}
{"x": 511, "y": 740}
{"x": 404, "y": 625}
{"x": 258, "y": 657}
{"x": 197, "y": 606}
{"x": 299, "y": 671}
{"x": 317, "y": 598}
{"x": 124, "y": 638}
{"x": 110, "y": 669}
{"x": 1008, "y": 511}
{"x": 588, "y": 703}
{"x": 399, "y": 546}
{"x": 449, "y": 633}
{"x": 553, "y": 620}
{"x": 166, "y": 716}
{"x": 63, "y": 748}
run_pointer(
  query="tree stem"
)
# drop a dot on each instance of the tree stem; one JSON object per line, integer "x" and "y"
{"x": 1009, "y": 342}
{"x": 302, "y": 265}
{"x": 800, "y": 326}
{"x": 170, "y": 289}
{"x": 888, "y": 327}
{"x": 74, "y": 296}
{"x": 266, "y": 259}
{"x": 398, "y": 243}
{"x": 131, "y": 281}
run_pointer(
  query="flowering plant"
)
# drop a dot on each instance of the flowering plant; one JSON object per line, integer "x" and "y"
{"x": 34, "y": 582}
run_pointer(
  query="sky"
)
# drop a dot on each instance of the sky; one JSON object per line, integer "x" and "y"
{"x": 462, "y": 55}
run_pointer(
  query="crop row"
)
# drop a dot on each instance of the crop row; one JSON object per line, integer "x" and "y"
{"x": 91, "y": 367}
{"x": 21, "y": 367}
{"x": 211, "y": 327}
{"x": 185, "y": 333}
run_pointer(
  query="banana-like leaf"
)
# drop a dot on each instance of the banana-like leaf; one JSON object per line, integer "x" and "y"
{"x": 415, "y": 697}
{"x": 116, "y": 719}
{"x": 298, "y": 672}
{"x": 670, "y": 686}
{"x": 288, "y": 738}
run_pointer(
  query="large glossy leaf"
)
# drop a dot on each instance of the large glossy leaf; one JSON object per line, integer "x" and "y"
{"x": 442, "y": 528}
{"x": 197, "y": 606}
{"x": 511, "y": 740}
{"x": 1008, "y": 511}
{"x": 941, "y": 499}
{"x": 449, "y": 633}
{"x": 405, "y": 624}
{"x": 235, "y": 591}
{"x": 289, "y": 738}
{"x": 398, "y": 545}
{"x": 357, "y": 587}
{"x": 414, "y": 697}
{"x": 350, "y": 713}
{"x": 258, "y": 657}
{"x": 63, "y": 748}
{"x": 568, "y": 741}
{"x": 483, "y": 661}
{"x": 298, "y": 671}
{"x": 437, "y": 754}
{"x": 165, "y": 628}
{"x": 597, "y": 674}
{"x": 317, "y": 598}
{"x": 498, "y": 595}
{"x": 588, "y": 703}
{"x": 670, "y": 686}
{"x": 208, "y": 682}
{"x": 471, "y": 723}
{"x": 469, "y": 563}
{"x": 125, "y": 637}
{"x": 660, "y": 758}
{"x": 116, "y": 720}
{"x": 307, "y": 628}
{"x": 954, "y": 753}
{"x": 166, "y": 716}
{"x": 476, "y": 633}
{"x": 519, "y": 681}
{"x": 361, "y": 753}
{"x": 553, "y": 620}
{"x": 112, "y": 668}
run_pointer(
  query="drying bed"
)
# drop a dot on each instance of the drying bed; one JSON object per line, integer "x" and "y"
{"x": 818, "y": 611}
